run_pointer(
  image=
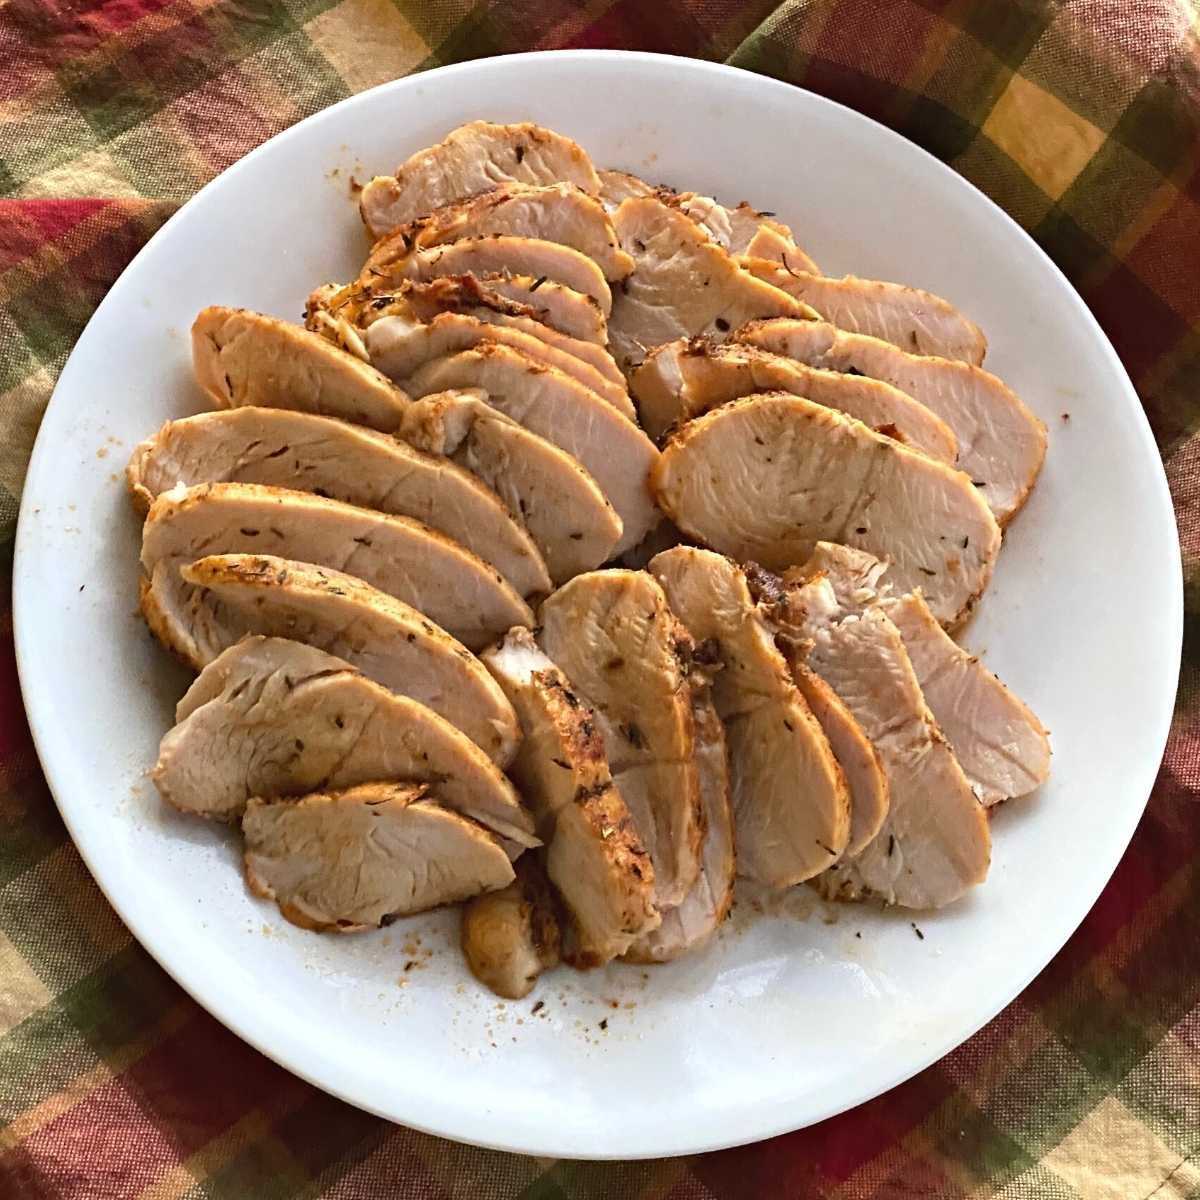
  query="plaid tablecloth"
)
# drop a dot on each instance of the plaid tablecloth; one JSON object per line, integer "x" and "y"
{"x": 1082, "y": 119}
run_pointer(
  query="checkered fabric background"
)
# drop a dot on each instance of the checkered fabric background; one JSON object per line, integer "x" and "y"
{"x": 1082, "y": 119}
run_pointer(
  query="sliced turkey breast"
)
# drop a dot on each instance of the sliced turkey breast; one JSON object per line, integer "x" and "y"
{"x": 358, "y": 859}
{"x": 384, "y": 638}
{"x": 790, "y": 802}
{"x": 497, "y": 255}
{"x": 245, "y": 358}
{"x": 511, "y": 936}
{"x": 473, "y": 158}
{"x": 272, "y": 717}
{"x": 999, "y": 743}
{"x": 859, "y": 760}
{"x": 559, "y": 503}
{"x": 934, "y": 843}
{"x": 907, "y": 317}
{"x": 743, "y": 231}
{"x": 467, "y": 295}
{"x": 1001, "y": 444}
{"x": 344, "y": 462}
{"x": 618, "y": 186}
{"x": 767, "y": 477}
{"x": 557, "y": 212}
{"x": 691, "y": 923}
{"x": 593, "y": 856}
{"x": 397, "y": 555}
{"x": 683, "y": 379}
{"x": 614, "y": 451}
{"x": 684, "y": 285}
{"x": 400, "y": 345}
{"x": 613, "y": 636}
{"x": 577, "y": 314}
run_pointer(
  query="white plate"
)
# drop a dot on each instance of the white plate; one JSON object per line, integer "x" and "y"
{"x": 790, "y": 1017}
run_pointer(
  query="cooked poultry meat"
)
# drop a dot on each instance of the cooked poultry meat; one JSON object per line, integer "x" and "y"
{"x": 593, "y": 856}
{"x": 683, "y": 285}
{"x": 767, "y": 477}
{"x": 999, "y": 743}
{"x": 511, "y": 936}
{"x": 907, "y": 317}
{"x": 344, "y": 462}
{"x": 358, "y": 859}
{"x": 934, "y": 843}
{"x": 340, "y": 313}
{"x": 866, "y": 779}
{"x": 468, "y": 296}
{"x": 790, "y": 801}
{"x": 556, "y": 212}
{"x": 399, "y": 345}
{"x": 618, "y": 186}
{"x": 473, "y": 158}
{"x": 499, "y": 255}
{"x": 576, "y": 314}
{"x": 385, "y": 639}
{"x": 681, "y": 380}
{"x": 560, "y": 504}
{"x": 614, "y": 451}
{"x": 692, "y": 922}
{"x": 743, "y": 231}
{"x": 1001, "y": 444}
{"x": 244, "y": 358}
{"x": 397, "y": 555}
{"x": 272, "y": 717}
{"x": 614, "y": 638}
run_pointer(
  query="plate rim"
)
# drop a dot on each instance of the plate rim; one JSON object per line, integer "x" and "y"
{"x": 40, "y": 715}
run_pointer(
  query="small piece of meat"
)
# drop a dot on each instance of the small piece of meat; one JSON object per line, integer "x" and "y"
{"x": 999, "y": 743}
{"x": 907, "y": 317}
{"x": 473, "y": 158}
{"x": 557, "y": 212}
{"x": 271, "y": 717}
{"x": 613, "y": 636}
{"x": 339, "y": 312}
{"x": 354, "y": 860}
{"x": 934, "y": 843}
{"x": 577, "y": 314}
{"x": 1001, "y": 444}
{"x": 511, "y": 936}
{"x": 681, "y": 380}
{"x": 859, "y": 760}
{"x": 684, "y": 285}
{"x": 399, "y": 346}
{"x": 618, "y": 186}
{"x": 245, "y": 358}
{"x": 388, "y": 641}
{"x": 499, "y": 255}
{"x": 593, "y": 855}
{"x": 559, "y": 503}
{"x": 743, "y": 231}
{"x": 790, "y": 802}
{"x": 614, "y": 451}
{"x": 468, "y": 296}
{"x": 767, "y": 477}
{"x": 692, "y": 922}
{"x": 399, "y": 556}
{"x": 344, "y": 462}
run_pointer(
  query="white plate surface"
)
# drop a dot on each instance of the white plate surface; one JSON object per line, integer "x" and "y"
{"x": 789, "y": 1017}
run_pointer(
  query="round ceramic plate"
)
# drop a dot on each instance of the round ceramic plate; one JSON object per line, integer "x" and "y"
{"x": 790, "y": 1016}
